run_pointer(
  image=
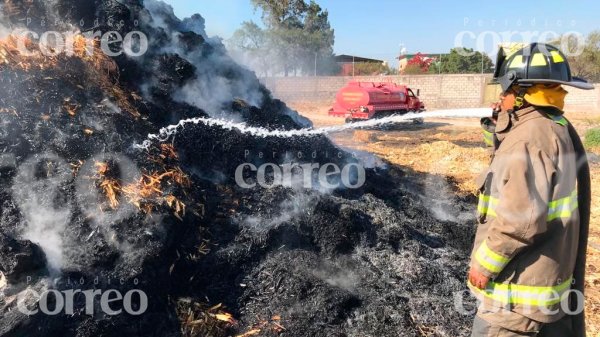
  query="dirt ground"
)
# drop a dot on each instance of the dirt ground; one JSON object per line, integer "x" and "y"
{"x": 454, "y": 148}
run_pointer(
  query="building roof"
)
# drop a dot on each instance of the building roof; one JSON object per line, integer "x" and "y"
{"x": 433, "y": 55}
{"x": 357, "y": 59}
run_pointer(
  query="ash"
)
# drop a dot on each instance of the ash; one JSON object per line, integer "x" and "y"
{"x": 79, "y": 201}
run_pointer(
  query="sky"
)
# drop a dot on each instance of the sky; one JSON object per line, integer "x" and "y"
{"x": 381, "y": 29}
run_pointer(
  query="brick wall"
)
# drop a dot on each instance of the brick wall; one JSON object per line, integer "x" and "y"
{"x": 437, "y": 91}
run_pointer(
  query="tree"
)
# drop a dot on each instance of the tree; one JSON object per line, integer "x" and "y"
{"x": 277, "y": 13}
{"x": 462, "y": 61}
{"x": 250, "y": 44}
{"x": 317, "y": 38}
{"x": 373, "y": 69}
{"x": 583, "y": 56}
{"x": 249, "y": 37}
{"x": 297, "y": 36}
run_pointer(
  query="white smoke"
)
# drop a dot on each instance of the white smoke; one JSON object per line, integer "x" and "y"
{"x": 262, "y": 64}
{"x": 210, "y": 91}
{"x": 218, "y": 79}
{"x": 337, "y": 276}
{"x": 4, "y": 31}
{"x": 38, "y": 192}
{"x": 287, "y": 210}
{"x": 367, "y": 159}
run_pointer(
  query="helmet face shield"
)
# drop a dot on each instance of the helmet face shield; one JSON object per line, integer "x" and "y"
{"x": 507, "y": 80}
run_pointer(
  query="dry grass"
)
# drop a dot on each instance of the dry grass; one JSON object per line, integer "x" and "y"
{"x": 434, "y": 153}
{"x": 317, "y": 112}
{"x": 3, "y": 282}
{"x": 103, "y": 69}
{"x": 147, "y": 193}
{"x": 199, "y": 320}
{"x": 592, "y": 282}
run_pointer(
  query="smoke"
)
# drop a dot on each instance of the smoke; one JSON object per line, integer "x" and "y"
{"x": 159, "y": 12}
{"x": 218, "y": 80}
{"x": 163, "y": 17}
{"x": 367, "y": 159}
{"x": 269, "y": 59}
{"x": 440, "y": 200}
{"x": 4, "y": 31}
{"x": 264, "y": 63}
{"x": 211, "y": 91}
{"x": 195, "y": 24}
{"x": 337, "y": 276}
{"x": 297, "y": 205}
{"x": 39, "y": 193}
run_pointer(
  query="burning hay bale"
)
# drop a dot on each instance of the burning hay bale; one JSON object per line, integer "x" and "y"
{"x": 86, "y": 210}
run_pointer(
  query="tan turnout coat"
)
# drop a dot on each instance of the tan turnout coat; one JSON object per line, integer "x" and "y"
{"x": 528, "y": 231}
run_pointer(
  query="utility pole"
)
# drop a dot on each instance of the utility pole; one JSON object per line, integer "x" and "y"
{"x": 481, "y": 62}
{"x": 316, "y": 64}
{"x": 352, "y": 66}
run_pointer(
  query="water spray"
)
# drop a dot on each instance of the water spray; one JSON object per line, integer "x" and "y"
{"x": 165, "y": 133}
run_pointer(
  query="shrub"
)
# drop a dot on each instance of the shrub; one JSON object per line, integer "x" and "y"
{"x": 592, "y": 138}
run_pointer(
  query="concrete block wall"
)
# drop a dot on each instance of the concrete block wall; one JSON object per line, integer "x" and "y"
{"x": 437, "y": 91}
{"x": 583, "y": 100}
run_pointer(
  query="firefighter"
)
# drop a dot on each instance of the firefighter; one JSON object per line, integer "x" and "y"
{"x": 529, "y": 252}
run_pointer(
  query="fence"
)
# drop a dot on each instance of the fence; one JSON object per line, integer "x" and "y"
{"x": 437, "y": 91}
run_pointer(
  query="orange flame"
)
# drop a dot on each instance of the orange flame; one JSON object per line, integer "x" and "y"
{"x": 225, "y": 317}
{"x": 145, "y": 193}
{"x": 148, "y": 190}
{"x": 109, "y": 186}
{"x": 252, "y": 332}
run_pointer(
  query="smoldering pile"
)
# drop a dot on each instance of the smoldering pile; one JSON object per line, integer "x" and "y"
{"x": 82, "y": 208}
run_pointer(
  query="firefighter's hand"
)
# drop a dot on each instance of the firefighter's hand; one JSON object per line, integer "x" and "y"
{"x": 497, "y": 108}
{"x": 478, "y": 279}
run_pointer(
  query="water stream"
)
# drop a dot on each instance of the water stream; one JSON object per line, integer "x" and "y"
{"x": 166, "y": 133}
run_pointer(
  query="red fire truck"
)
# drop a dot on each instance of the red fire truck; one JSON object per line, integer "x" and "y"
{"x": 366, "y": 100}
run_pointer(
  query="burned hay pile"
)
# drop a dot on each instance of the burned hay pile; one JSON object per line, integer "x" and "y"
{"x": 86, "y": 215}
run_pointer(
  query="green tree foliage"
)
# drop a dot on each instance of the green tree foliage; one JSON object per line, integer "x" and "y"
{"x": 279, "y": 13}
{"x": 296, "y": 36}
{"x": 462, "y": 61}
{"x": 252, "y": 41}
{"x": 583, "y": 55}
{"x": 249, "y": 37}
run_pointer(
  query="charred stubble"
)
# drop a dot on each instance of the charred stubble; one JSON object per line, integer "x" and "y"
{"x": 371, "y": 261}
